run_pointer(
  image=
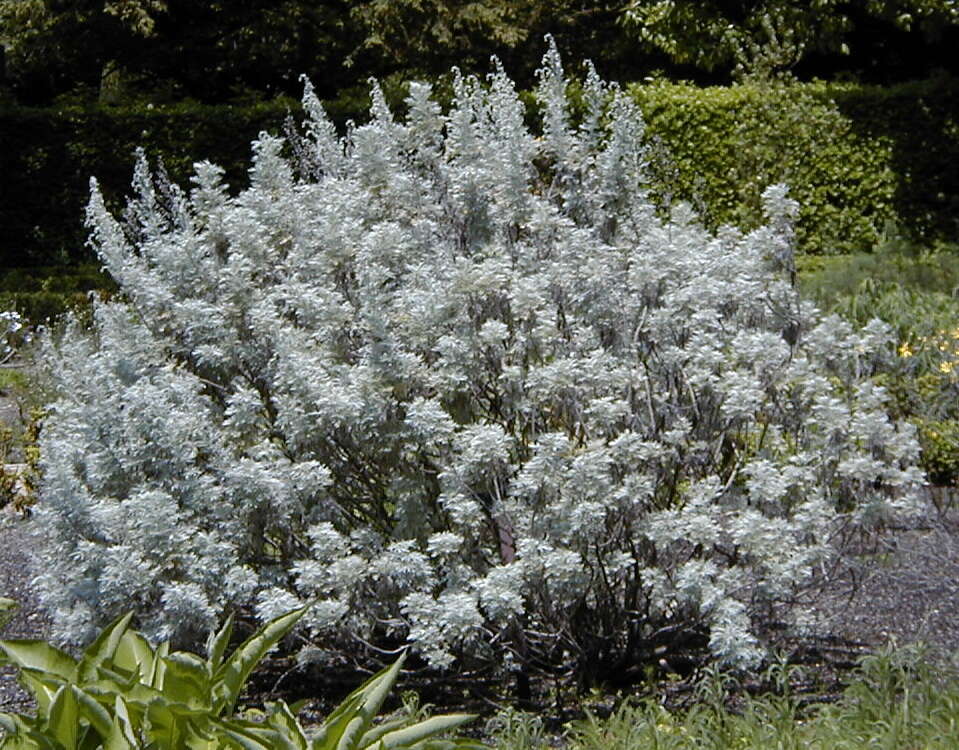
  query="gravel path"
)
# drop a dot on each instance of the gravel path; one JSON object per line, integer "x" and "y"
{"x": 905, "y": 591}
{"x": 15, "y": 543}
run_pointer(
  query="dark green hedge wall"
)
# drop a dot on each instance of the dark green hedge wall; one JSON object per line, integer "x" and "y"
{"x": 856, "y": 158}
{"x": 47, "y": 158}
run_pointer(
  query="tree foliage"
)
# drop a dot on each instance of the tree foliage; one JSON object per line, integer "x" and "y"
{"x": 715, "y": 33}
{"x": 409, "y": 29}
{"x": 214, "y": 51}
{"x": 464, "y": 386}
{"x": 209, "y": 50}
{"x": 50, "y": 46}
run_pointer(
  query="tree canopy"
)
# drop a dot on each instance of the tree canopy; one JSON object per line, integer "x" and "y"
{"x": 208, "y": 50}
{"x": 55, "y": 46}
{"x": 716, "y": 33}
{"x": 217, "y": 50}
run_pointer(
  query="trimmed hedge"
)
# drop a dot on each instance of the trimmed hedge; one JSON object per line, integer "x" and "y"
{"x": 856, "y": 157}
{"x": 43, "y": 294}
{"x": 48, "y": 157}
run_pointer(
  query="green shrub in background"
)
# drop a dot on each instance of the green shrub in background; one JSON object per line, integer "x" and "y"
{"x": 49, "y": 156}
{"x": 123, "y": 693}
{"x": 42, "y": 294}
{"x": 922, "y": 268}
{"x": 924, "y": 384}
{"x": 61, "y": 279}
{"x": 20, "y": 447}
{"x": 916, "y": 291}
{"x": 854, "y": 156}
{"x": 38, "y": 307}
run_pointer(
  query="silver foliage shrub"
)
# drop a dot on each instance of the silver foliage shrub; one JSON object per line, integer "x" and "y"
{"x": 464, "y": 386}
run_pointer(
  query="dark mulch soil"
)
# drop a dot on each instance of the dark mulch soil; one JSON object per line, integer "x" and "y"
{"x": 904, "y": 591}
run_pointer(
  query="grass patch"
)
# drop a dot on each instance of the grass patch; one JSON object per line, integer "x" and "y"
{"x": 895, "y": 700}
{"x": 12, "y": 379}
{"x": 896, "y": 261}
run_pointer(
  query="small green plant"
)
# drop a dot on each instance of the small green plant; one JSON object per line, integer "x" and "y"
{"x": 517, "y": 730}
{"x": 8, "y": 479}
{"x": 123, "y": 693}
{"x": 896, "y": 700}
{"x": 7, "y": 608}
{"x": 30, "y": 477}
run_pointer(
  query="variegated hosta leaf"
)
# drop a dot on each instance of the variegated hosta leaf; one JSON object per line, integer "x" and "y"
{"x": 115, "y": 699}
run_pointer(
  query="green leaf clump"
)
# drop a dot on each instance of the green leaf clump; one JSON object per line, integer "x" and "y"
{"x": 123, "y": 693}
